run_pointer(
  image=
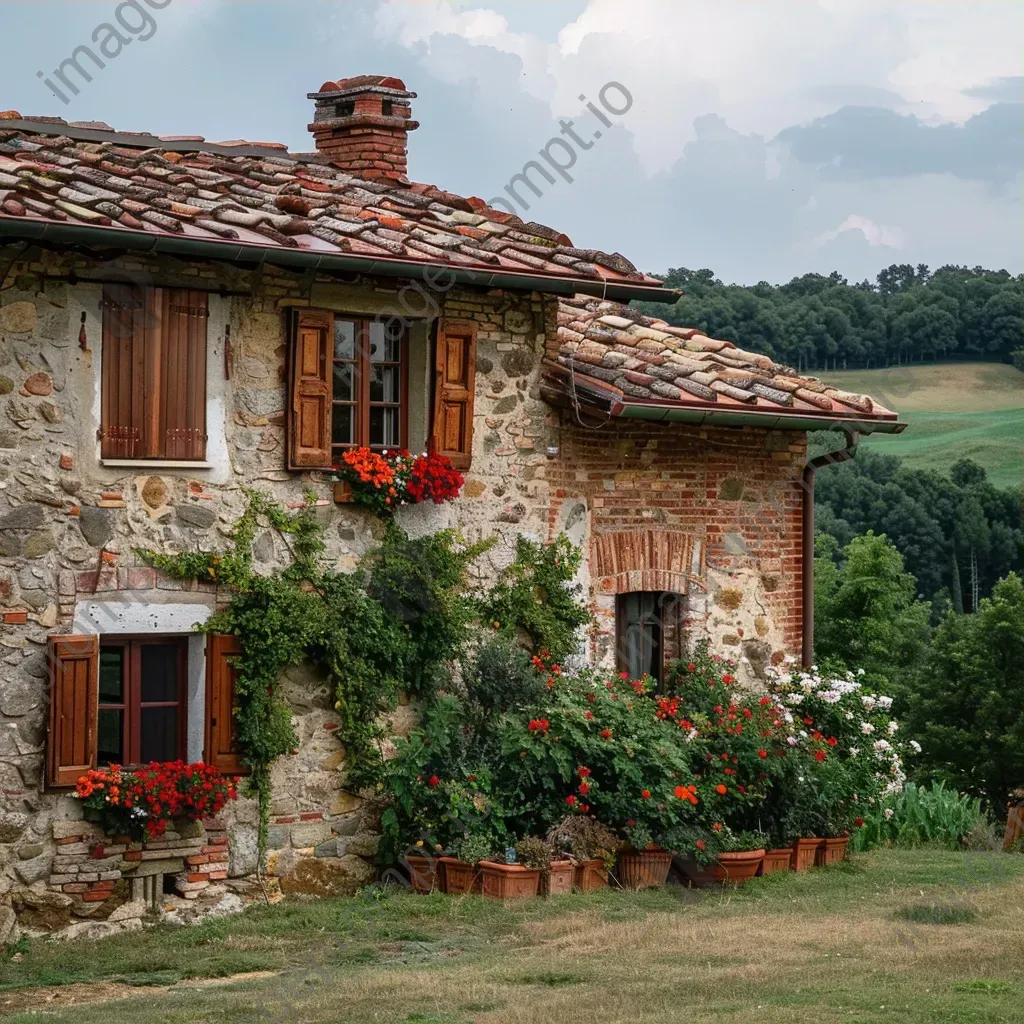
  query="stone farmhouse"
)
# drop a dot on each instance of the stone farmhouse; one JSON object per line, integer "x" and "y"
{"x": 181, "y": 318}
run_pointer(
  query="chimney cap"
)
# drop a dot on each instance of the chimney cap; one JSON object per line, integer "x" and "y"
{"x": 382, "y": 84}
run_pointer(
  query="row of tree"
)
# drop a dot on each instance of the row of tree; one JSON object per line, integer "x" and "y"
{"x": 909, "y": 314}
{"x": 959, "y": 685}
{"x": 957, "y": 534}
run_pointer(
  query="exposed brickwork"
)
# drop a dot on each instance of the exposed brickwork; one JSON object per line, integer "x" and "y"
{"x": 700, "y": 508}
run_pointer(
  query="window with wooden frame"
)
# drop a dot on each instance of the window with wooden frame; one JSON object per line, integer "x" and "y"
{"x": 153, "y": 373}
{"x": 349, "y": 381}
{"x": 141, "y": 708}
{"x": 123, "y": 700}
{"x": 649, "y": 632}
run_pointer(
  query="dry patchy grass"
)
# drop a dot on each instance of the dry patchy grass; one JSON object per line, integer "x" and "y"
{"x": 792, "y": 949}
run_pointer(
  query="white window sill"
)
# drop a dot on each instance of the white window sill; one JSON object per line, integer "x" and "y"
{"x": 155, "y": 464}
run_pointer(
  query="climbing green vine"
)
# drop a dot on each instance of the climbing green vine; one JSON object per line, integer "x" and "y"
{"x": 390, "y": 626}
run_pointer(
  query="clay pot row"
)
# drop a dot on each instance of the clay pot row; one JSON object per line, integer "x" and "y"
{"x": 504, "y": 881}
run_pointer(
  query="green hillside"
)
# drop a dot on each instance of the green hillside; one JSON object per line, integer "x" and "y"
{"x": 954, "y": 410}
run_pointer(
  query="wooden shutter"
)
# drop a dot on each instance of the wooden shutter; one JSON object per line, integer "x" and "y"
{"x": 122, "y": 372}
{"x": 221, "y": 747}
{"x": 179, "y": 430}
{"x": 74, "y": 689}
{"x": 454, "y": 383}
{"x": 309, "y": 440}
{"x": 153, "y": 373}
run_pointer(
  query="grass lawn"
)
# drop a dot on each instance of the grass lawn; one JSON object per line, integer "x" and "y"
{"x": 908, "y": 936}
{"x": 954, "y": 410}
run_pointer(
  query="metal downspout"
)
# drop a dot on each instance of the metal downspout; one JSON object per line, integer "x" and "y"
{"x": 807, "y": 540}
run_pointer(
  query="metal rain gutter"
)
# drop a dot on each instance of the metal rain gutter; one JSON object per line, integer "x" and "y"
{"x": 142, "y": 241}
{"x": 766, "y": 419}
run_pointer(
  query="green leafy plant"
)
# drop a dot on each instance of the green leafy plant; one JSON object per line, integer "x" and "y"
{"x": 921, "y": 815}
{"x": 533, "y": 852}
{"x": 536, "y": 597}
{"x": 474, "y": 848}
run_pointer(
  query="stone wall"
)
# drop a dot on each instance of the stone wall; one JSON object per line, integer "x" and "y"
{"x": 69, "y": 523}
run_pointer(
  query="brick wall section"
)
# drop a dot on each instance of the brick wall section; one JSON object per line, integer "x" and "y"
{"x": 736, "y": 496}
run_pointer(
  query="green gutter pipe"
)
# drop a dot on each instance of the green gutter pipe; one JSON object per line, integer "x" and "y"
{"x": 45, "y": 232}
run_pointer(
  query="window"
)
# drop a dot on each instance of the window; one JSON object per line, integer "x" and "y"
{"x": 141, "y": 711}
{"x": 350, "y": 387}
{"x": 153, "y": 403}
{"x": 648, "y": 632}
{"x": 368, "y": 386}
{"x": 123, "y": 700}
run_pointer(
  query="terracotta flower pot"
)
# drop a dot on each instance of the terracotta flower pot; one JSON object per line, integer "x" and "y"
{"x": 804, "y": 852}
{"x": 343, "y": 492}
{"x": 508, "y": 881}
{"x": 425, "y": 873}
{"x": 558, "y": 879}
{"x": 777, "y": 860}
{"x": 460, "y": 878}
{"x": 831, "y": 851}
{"x": 737, "y": 867}
{"x": 645, "y": 869}
{"x": 591, "y": 875}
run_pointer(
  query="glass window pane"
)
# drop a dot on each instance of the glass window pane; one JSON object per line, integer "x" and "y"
{"x": 383, "y": 427}
{"x": 160, "y": 737}
{"x": 640, "y": 635}
{"x": 344, "y": 374}
{"x": 159, "y": 668}
{"x": 384, "y": 384}
{"x": 112, "y": 675}
{"x": 343, "y": 424}
{"x": 385, "y": 342}
{"x": 344, "y": 339}
{"x": 110, "y": 736}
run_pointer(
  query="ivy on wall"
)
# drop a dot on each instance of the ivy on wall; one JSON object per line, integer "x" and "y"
{"x": 391, "y": 626}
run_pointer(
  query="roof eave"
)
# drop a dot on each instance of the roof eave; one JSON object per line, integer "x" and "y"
{"x": 767, "y": 419}
{"x": 43, "y": 232}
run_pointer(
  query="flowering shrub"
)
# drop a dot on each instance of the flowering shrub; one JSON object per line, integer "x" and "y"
{"x": 847, "y": 748}
{"x": 140, "y": 801}
{"x": 387, "y": 480}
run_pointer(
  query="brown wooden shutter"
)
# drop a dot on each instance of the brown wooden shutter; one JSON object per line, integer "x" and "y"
{"x": 74, "y": 689}
{"x": 309, "y": 440}
{"x": 221, "y": 747}
{"x": 180, "y": 428}
{"x": 454, "y": 384}
{"x": 122, "y": 372}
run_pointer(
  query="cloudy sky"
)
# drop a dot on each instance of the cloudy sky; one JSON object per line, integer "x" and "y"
{"x": 763, "y": 138}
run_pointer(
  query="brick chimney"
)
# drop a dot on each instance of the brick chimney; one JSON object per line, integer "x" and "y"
{"x": 361, "y": 125}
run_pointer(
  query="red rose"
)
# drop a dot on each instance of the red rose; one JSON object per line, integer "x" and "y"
{"x": 606, "y": 734}
{"x": 721, "y": 790}
{"x": 570, "y": 799}
{"x": 646, "y": 794}
{"x": 433, "y": 781}
{"x": 584, "y": 788}
{"x": 762, "y": 754}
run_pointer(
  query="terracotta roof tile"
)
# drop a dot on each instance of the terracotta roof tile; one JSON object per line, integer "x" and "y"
{"x": 182, "y": 185}
{"x": 608, "y": 353}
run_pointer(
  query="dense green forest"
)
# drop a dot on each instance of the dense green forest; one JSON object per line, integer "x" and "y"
{"x": 908, "y": 314}
{"x": 958, "y": 534}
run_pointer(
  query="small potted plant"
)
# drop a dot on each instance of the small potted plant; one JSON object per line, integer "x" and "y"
{"x": 590, "y": 845}
{"x": 644, "y": 865}
{"x": 508, "y": 879}
{"x": 738, "y": 856}
{"x": 777, "y": 857}
{"x": 556, "y": 876}
{"x": 426, "y": 872}
{"x": 461, "y": 872}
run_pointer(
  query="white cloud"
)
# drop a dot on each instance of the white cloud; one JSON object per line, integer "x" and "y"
{"x": 874, "y": 234}
{"x": 759, "y": 65}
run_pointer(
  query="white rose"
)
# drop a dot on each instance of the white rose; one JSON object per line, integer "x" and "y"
{"x": 867, "y": 728}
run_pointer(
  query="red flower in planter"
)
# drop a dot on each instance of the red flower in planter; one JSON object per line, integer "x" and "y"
{"x": 832, "y": 741}
{"x": 433, "y": 781}
{"x": 606, "y": 734}
{"x": 583, "y": 772}
{"x": 588, "y": 715}
{"x": 570, "y": 800}
{"x": 820, "y": 755}
{"x": 858, "y": 822}
{"x": 721, "y": 790}
{"x": 584, "y": 788}
{"x": 762, "y": 754}
{"x": 646, "y": 794}
{"x": 701, "y": 845}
